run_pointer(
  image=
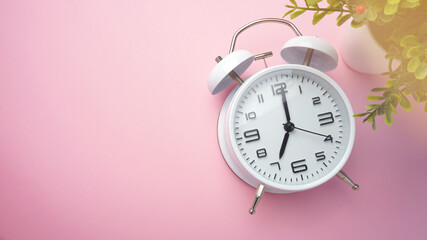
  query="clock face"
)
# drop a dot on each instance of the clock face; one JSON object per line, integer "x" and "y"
{"x": 292, "y": 127}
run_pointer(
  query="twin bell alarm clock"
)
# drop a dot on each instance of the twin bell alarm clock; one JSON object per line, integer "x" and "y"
{"x": 286, "y": 128}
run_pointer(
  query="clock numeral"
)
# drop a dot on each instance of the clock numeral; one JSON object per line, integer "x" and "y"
{"x": 252, "y": 135}
{"x": 328, "y": 138}
{"x": 316, "y": 100}
{"x": 300, "y": 90}
{"x": 298, "y": 166}
{"x": 320, "y": 156}
{"x": 278, "y": 165}
{"x": 250, "y": 115}
{"x": 262, "y": 152}
{"x": 325, "y": 118}
{"x": 278, "y": 88}
{"x": 260, "y": 98}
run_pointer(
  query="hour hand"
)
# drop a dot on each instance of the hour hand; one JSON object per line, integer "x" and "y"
{"x": 284, "y": 143}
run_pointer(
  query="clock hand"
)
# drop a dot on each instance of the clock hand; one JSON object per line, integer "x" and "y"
{"x": 327, "y": 137}
{"x": 285, "y": 105}
{"x": 283, "y": 147}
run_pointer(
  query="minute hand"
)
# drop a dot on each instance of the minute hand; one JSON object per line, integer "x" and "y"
{"x": 285, "y": 105}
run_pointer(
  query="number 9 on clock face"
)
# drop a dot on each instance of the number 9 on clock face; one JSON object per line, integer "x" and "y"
{"x": 289, "y": 127}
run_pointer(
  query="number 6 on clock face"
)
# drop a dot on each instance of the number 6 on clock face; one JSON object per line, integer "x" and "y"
{"x": 261, "y": 145}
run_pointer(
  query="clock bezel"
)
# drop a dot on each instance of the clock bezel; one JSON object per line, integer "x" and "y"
{"x": 248, "y": 174}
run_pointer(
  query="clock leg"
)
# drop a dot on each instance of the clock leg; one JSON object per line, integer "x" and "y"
{"x": 258, "y": 196}
{"x": 346, "y": 179}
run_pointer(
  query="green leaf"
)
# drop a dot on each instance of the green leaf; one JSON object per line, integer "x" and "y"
{"x": 415, "y": 51}
{"x": 297, "y": 13}
{"x": 343, "y": 19}
{"x": 360, "y": 114}
{"x": 370, "y": 106}
{"x": 405, "y": 53}
{"x": 356, "y": 24}
{"x": 421, "y": 72}
{"x": 332, "y": 11}
{"x": 405, "y": 91}
{"x": 293, "y": 2}
{"x": 394, "y": 76}
{"x": 392, "y": 109}
{"x": 335, "y": 3}
{"x": 318, "y": 17}
{"x": 372, "y": 14}
{"x": 405, "y": 104}
{"x": 397, "y": 97}
{"x": 289, "y": 12}
{"x": 388, "y": 119}
{"x": 413, "y": 64}
{"x": 374, "y": 98}
{"x": 378, "y": 5}
{"x": 390, "y": 9}
{"x": 386, "y": 94}
{"x": 393, "y": 1}
{"x": 379, "y": 89}
{"x": 414, "y": 1}
{"x": 416, "y": 97}
{"x": 409, "y": 40}
{"x": 408, "y": 4}
{"x": 412, "y": 85}
{"x": 370, "y": 117}
{"x": 312, "y": 2}
{"x": 386, "y": 18}
{"x": 381, "y": 110}
{"x": 390, "y": 82}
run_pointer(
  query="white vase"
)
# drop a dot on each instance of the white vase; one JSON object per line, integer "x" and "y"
{"x": 361, "y": 51}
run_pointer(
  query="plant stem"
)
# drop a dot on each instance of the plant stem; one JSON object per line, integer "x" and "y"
{"x": 319, "y": 9}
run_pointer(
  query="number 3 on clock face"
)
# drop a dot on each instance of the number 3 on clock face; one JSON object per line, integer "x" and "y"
{"x": 289, "y": 127}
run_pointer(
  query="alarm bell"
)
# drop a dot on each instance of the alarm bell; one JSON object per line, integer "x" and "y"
{"x": 228, "y": 69}
{"x": 298, "y": 49}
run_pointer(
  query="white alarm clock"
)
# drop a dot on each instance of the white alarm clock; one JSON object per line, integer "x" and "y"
{"x": 288, "y": 127}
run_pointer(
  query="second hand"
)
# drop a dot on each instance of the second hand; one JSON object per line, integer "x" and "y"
{"x": 311, "y": 132}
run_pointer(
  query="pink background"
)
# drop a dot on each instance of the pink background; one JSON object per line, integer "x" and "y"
{"x": 108, "y": 130}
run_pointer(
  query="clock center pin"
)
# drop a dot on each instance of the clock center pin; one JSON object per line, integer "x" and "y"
{"x": 289, "y": 127}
